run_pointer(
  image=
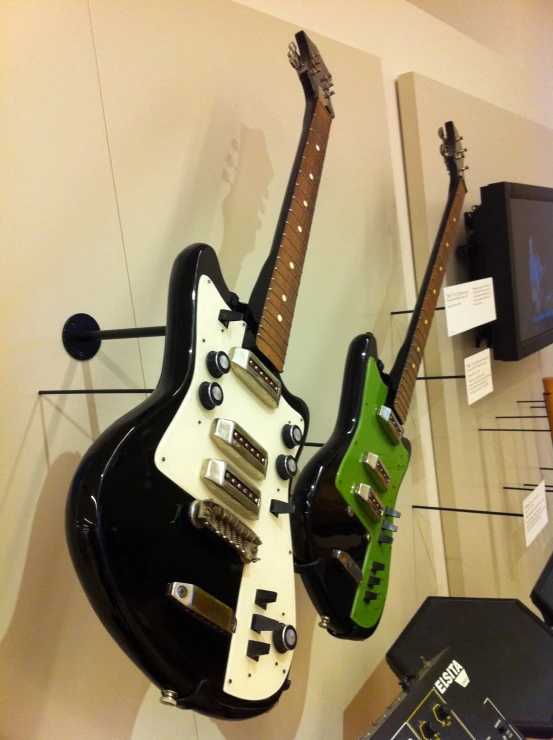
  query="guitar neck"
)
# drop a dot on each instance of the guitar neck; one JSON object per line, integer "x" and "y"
{"x": 275, "y": 294}
{"x": 406, "y": 368}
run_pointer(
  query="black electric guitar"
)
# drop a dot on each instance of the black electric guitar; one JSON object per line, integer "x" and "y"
{"x": 178, "y": 518}
{"x": 345, "y": 497}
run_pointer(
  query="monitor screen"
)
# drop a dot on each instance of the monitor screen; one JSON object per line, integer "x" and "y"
{"x": 532, "y": 230}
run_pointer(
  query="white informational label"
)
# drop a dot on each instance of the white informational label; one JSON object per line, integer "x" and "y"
{"x": 468, "y": 305}
{"x": 463, "y": 679}
{"x": 478, "y": 375}
{"x": 534, "y": 509}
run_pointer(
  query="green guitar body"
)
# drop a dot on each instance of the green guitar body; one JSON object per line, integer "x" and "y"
{"x": 331, "y": 521}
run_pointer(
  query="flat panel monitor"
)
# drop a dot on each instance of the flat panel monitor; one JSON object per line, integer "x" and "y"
{"x": 513, "y": 236}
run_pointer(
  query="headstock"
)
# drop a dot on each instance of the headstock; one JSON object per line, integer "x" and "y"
{"x": 452, "y": 150}
{"x": 312, "y": 71}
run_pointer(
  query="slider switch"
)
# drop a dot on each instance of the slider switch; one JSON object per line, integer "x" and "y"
{"x": 280, "y": 507}
{"x": 256, "y": 648}
{"x": 263, "y": 597}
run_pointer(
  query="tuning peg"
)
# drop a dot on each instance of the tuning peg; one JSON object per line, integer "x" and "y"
{"x": 459, "y": 138}
{"x": 464, "y": 168}
{"x": 442, "y": 150}
{"x": 441, "y": 133}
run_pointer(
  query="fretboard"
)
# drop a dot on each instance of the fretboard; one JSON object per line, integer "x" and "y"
{"x": 275, "y": 324}
{"x": 419, "y": 328}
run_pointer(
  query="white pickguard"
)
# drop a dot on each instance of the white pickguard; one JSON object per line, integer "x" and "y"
{"x": 180, "y": 454}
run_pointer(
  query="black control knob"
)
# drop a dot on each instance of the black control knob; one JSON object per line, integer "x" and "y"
{"x": 427, "y": 731}
{"x": 218, "y": 363}
{"x": 286, "y": 466}
{"x": 211, "y": 395}
{"x": 443, "y": 713}
{"x": 291, "y": 435}
{"x": 285, "y": 638}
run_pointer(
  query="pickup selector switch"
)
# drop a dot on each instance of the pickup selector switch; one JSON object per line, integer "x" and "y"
{"x": 285, "y": 638}
{"x": 291, "y": 435}
{"x": 218, "y": 363}
{"x": 286, "y": 466}
{"x": 211, "y": 395}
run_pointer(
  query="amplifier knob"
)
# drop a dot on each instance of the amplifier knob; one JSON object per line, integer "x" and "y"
{"x": 427, "y": 731}
{"x": 291, "y": 435}
{"x": 285, "y": 638}
{"x": 218, "y": 363}
{"x": 443, "y": 713}
{"x": 286, "y": 466}
{"x": 211, "y": 395}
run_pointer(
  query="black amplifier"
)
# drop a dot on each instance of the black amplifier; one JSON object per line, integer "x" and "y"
{"x": 444, "y": 702}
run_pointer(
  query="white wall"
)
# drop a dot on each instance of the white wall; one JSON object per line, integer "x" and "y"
{"x": 103, "y": 153}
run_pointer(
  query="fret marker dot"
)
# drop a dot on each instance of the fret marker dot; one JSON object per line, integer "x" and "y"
{"x": 413, "y": 366}
{"x": 434, "y": 290}
{"x": 317, "y": 147}
{"x": 305, "y": 203}
{"x": 300, "y": 229}
{"x": 426, "y": 321}
{"x": 454, "y": 220}
{"x": 279, "y": 317}
{"x": 447, "y": 244}
{"x": 310, "y": 175}
{"x": 291, "y": 265}
{"x": 284, "y": 298}
{"x": 441, "y": 268}
{"x": 418, "y": 349}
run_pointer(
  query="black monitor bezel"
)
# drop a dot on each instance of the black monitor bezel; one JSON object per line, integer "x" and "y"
{"x": 493, "y": 237}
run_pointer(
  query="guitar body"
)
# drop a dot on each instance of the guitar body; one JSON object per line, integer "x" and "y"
{"x": 330, "y": 517}
{"x": 345, "y": 497}
{"x": 129, "y": 527}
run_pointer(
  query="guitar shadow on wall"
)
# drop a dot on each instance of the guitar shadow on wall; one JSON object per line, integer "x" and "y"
{"x": 248, "y": 172}
{"x": 58, "y": 665}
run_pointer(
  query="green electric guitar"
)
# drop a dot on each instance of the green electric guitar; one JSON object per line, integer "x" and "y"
{"x": 345, "y": 517}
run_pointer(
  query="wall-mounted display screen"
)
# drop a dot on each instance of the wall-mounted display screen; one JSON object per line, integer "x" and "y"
{"x": 513, "y": 236}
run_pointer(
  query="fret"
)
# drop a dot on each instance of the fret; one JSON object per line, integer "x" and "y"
{"x": 289, "y": 245}
{"x": 421, "y": 322}
{"x": 278, "y": 309}
{"x": 278, "y": 342}
{"x": 284, "y": 294}
{"x": 288, "y": 269}
{"x": 274, "y": 311}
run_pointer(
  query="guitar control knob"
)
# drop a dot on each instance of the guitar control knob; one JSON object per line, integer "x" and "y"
{"x": 291, "y": 435}
{"x": 286, "y": 466}
{"x": 427, "y": 731}
{"x": 218, "y": 363}
{"x": 285, "y": 638}
{"x": 211, "y": 395}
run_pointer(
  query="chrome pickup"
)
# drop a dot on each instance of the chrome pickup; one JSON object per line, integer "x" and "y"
{"x": 203, "y": 605}
{"x": 253, "y": 373}
{"x": 226, "y": 525}
{"x": 349, "y": 564}
{"x": 221, "y": 478}
{"x": 370, "y": 500}
{"x": 377, "y": 470}
{"x": 240, "y": 447}
{"x": 390, "y": 424}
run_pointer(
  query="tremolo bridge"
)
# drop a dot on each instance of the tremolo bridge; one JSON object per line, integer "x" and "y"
{"x": 227, "y": 526}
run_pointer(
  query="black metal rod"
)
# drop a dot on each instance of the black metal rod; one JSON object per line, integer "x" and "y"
{"x": 538, "y": 401}
{"x": 466, "y": 511}
{"x": 410, "y": 310}
{"x": 514, "y": 430}
{"x": 518, "y": 488}
{"x": 546, "y": 468}
{"x": 314, "y": 444}
{"x": 101, "y": 390}
{"x": 440, "y": 377}
{"x": 522, "y": 417}
{"x": 145, "y": 331}
{"x": 533, "y": 485}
